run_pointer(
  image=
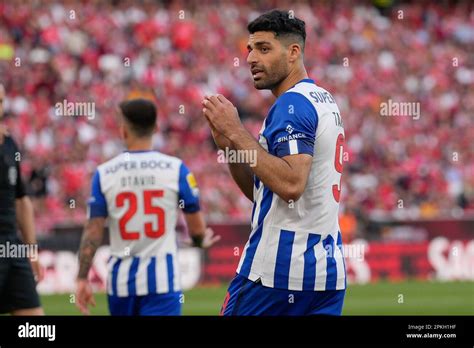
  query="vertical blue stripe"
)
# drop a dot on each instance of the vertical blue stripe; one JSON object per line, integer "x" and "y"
{"x": 339, "y": 244}
{"x": 255, "y": 238}
{"x": 331, "y": 269}
{"x": 283, "y": 259}
{"x": 115, "y": 270}
{"x": 253, "y": 212}
{"x": 132, "y": 276}
{"x": 169, "y": 265}
{"x": 256, "y": 181}
{"x": 339, "y": 240}
{"x": 309, "y": 273}
{"x": 151, "y": 276}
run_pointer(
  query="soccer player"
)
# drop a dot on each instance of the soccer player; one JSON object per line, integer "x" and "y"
{"x": 140, "y": 192}
{"x": 18, "y": 294}
{"x": 293, "y": 262}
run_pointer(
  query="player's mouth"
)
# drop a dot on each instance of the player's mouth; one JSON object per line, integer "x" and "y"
{"x": 257, "y": 74}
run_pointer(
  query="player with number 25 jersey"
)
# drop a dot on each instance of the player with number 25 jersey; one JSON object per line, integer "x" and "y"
{"x": 140, "y": 192}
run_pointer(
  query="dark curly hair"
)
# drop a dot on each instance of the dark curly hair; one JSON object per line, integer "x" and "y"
{"x": 282, "y": 23}
{"x": 140, "y": 115}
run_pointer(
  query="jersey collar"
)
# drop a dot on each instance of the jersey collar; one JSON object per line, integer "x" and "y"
{"x": 138, "y": 151}
{"x": 306, "y": 80}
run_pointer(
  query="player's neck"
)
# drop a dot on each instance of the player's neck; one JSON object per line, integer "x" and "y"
{"x": 139, "y": 145}
{"x": 292, "y": 79}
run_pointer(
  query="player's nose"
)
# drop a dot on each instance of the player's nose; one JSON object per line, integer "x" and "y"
{"x": 251, "y": 58}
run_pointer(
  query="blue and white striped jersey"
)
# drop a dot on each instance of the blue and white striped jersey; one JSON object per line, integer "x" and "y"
{"x": 140, "y": 194}
{"x": 298, "y": 245}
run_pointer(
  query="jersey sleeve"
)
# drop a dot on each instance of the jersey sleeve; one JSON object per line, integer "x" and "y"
{"x": 97, "y": 203}
{"x": 188, "y": 191}
{"x": 293, "y": 127}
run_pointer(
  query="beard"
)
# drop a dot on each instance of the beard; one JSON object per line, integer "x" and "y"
{"x": 273, "y": 79}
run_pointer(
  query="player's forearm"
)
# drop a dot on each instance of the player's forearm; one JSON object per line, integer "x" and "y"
{"x": 196, "y": 228}
{"x": 25, "y": 219}
{"x": 195, "y": 223}
{"x": 275, "y": 173}
{"x": 243, "y": 176}
{"x": 91, "y": 240}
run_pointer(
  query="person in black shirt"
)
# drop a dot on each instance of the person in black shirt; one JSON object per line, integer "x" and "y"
{"x": 18, "y": 267}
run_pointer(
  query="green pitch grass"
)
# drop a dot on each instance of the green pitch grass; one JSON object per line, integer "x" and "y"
{"x": 405, "y": 298}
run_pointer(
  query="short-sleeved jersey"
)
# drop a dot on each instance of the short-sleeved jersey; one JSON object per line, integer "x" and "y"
{"x": 140, "y": 193}
{"x": 298, "y": 245}
{"x": 11, "y": 186}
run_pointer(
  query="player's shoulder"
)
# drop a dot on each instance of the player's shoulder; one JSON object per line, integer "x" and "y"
{"x": 303, "y": 86}
{"x": 314, "y": 93}
{"x": 295, "y": 103}
{"x": 118, "y": 158}
{"x": 176, "y": 161}
{"x": 299, "y": 95}
{"x": 154, "y": 156}
{"x": 8, "y": 141}
{"x": 166, "y": 156}
{"x": 307, "y": 88}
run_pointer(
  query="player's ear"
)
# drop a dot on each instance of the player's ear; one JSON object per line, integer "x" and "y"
{"x": 294, "y": 52}
{"x": 123, "y": 131}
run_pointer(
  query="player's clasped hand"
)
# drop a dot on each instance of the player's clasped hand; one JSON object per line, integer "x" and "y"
{"x": 221, "y": 114}
{"x": 84, "y": 296}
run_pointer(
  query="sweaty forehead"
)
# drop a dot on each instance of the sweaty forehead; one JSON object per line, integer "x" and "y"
{"x": 261, "y": 36}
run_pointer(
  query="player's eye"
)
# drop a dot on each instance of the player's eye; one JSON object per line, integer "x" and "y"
{"x": 264, "y": 49}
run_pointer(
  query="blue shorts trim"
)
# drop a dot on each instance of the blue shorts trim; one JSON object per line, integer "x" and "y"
{"x": 245, "y": 297}
{"x": 152, "y": 304}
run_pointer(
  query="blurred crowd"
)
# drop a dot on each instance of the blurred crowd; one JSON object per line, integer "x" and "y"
{"x": 175, "y": 52}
